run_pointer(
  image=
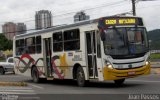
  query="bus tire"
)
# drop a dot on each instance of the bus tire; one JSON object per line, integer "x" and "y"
{"x": 35, "y": 75}
{"x": 14, "y": 72}
{"x": 2, "y": 72}
{"x": 80, "y": 77}
{"x": 119, "y": 82}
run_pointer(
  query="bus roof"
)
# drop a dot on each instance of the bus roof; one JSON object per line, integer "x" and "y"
{"x": 58, "y": 27}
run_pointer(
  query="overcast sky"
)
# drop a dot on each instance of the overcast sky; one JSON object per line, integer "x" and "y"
{"x": 24, "y": 10}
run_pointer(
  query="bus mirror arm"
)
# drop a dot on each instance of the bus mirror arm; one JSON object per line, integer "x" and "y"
{"x": 136, "y": 26}
{"x": 102, "y": 36}
{"x": 150, "y": 42}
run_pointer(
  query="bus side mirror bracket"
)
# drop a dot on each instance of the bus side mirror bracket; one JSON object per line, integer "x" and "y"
{"x": 102, "y": 36}
{"x": 150, "y": 42}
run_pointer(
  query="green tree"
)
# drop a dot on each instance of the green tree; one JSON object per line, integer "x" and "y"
{"x": 5, "y": 44}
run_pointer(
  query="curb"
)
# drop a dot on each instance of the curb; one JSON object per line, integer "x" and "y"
{"x": 155, "y": 70}
{"x": 13, "y": 84}
{"x": 155, "y": 63}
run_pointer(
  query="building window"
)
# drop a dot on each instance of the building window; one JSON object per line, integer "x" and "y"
{"x": 57, "y": 41}
{"x": 72, "y": 40}
{"x": 38, "y": 44}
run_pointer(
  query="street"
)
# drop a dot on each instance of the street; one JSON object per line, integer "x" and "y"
{"x": 141, "y": 85}
{"x": 65, "y": 49}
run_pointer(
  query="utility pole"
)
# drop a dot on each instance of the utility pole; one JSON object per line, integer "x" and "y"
{"x": 134, "y": 7}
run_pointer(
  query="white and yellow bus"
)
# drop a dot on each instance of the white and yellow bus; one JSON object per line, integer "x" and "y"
{"x": 109, "y": 48}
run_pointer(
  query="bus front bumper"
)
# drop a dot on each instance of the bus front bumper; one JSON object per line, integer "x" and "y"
{"x": 114, "y": 74}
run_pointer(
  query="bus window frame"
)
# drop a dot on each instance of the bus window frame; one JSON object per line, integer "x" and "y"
{"x": 57, "y": 41}
{"x": 27, "y": 46}
{"x": 39, "y": 44}
{"x": 75, "y": 41}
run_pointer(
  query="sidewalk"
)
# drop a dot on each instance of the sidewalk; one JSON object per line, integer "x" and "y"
{"x": 155, "y": 66}
{"x": 155, "y": 70}
{"x": 155, "y": 63}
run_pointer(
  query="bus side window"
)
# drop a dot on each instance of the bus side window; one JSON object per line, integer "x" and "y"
{"x": 38, "y": 44}
{"x": 30, "y": 45}
{"x": 19, "y": 46}
{"x": 72, "y": 40}
{"x": 57, "y": 42}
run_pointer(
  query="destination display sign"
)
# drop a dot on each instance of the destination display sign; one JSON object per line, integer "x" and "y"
{"x": 119, "y": 21}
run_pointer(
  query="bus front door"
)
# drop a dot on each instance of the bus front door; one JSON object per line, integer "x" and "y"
{"x": 91, "y": 54}
{"x": 47, "y": 58}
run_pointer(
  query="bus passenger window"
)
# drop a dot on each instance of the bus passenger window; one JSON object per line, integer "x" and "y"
{"x": 72, "y": 39}
{"x": 57, "y": 42}
{"x": 19, "y": 46}
{"x": 38, "y": 44}
{"x": 30, "y": 45}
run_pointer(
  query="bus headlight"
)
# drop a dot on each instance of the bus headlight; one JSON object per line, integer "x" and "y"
{"x": 109, "y": 65}
{"x": 147, "y": 63}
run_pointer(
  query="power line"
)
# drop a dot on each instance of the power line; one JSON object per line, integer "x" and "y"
{"x": 134, "y": 5}
{"x": 86, "y": 9}
{"x": 127, "y": 12}
{"x": 53, "y": 26}
{"x": 104, "y": 4}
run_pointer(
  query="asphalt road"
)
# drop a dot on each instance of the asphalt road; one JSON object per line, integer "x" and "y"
{"x": 68, "y": 90}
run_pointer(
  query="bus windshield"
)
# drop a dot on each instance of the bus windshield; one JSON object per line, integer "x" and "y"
{"x": 124, "y": 41}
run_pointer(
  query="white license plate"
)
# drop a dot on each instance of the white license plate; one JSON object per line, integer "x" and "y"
{"x": 131, "y": 73}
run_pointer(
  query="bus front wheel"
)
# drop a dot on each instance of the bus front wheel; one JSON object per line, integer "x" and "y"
{"x": 80, "y": 77}
{"x": 35, "y": 75}
{"x": 119, "y": 82}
